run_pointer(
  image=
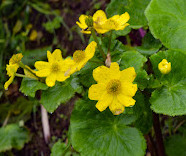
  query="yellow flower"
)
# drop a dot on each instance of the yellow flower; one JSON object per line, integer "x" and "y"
{"x": 80, "y": 58}
{"x": 54, "y": 69}
{"x": 82, "y": 24}
{"x": 117, "y": 22}
{"x": 114, "y": 89}
{"x": 12, "y": 68}
{"x": 101, "y": 24}
{"x": 164, "y": 66}
{"x": 33, "y": 35}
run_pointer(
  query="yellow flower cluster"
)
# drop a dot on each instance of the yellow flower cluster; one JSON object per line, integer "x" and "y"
{"x": 101, "y": 24}
{"x": 59, "y": 69}
{"x": 114, "y": 89}
{"x": 12, "y": 68}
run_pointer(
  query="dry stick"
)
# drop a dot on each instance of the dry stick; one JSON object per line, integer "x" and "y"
{"x": 45, "y": 124}
{"x": 158, "y": 134}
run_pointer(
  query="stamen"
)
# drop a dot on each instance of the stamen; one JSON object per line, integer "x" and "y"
{"x": 114, "y": 87}
{"x": 55, "y": 67}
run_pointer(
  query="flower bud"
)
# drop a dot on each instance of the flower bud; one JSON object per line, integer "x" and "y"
{"x": 164, "y": 66}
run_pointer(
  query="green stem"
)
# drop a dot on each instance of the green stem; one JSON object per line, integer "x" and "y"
{"x": 7, "y": 118}
{"x": 110, "y": 38}
{"x": 21, "y": 75}
{"x": 24, "y": 67}
{"x": 128, "y": 40}
{"x": 99, "y": 47}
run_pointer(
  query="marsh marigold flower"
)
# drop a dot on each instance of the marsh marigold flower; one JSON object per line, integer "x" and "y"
{"x": 114, "y": 88}
{"x": 101, "y": 24}
{"x": 12, "y": 68}
{"x": 80, "y": 58}
{"x": 164, "y": 66}
{"x": 54, "y": 69}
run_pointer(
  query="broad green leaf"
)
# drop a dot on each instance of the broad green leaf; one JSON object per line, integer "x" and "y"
{"x": 31, "y": 56}
{"x": 101, "y": 133}
{"x": 135, "y": 8}
{"x": 149, "y": 45}
{"x": 30, "y": 86}
{"x": 170, "y": 99}
{"x": 13, "y": 136}
{"x": 175, "y": 145}
{"x": 167, "y": 22}
{"x": 143, "y": 113}
{"x": 60, "y": 93}
{"x": 136, "y": 60}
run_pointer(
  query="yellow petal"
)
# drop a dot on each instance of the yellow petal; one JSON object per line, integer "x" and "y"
{"x": 128, "y": 75}
{"x": 124, "y": 18}
{"x": 114, "y": 70}
{"x": 56, "y": 55}
{"x": 7, "y": 83}
{"x": 121, "y": 27}
{"x": 90, "y": 50}
{"x": 50, "y": 80}
{"x": 11, "y": 69}
{"x": 99, "y": 16}
{"x": 116, "y": 107}
{"x": 61, "y": 77}
{"x": 49, "y": 56}
{"x": 86, "y": 32}
{"x": 16, "y": 58}
{"x": 43, "y": 72}
{"x": 95, "y": 91}
{"x": 126, "y": 100}
{"x": 129, "y": 89}
{"x": 39, "y": 65}
{"x": 104, "y": 102}
{"x": 101, "y": 74}
{"x": 81, "y": 22}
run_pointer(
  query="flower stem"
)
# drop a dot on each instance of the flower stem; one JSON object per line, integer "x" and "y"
{"x": 110, "y": 38}
{"x": 21, "y": 75}
{"x": 24, "y": 67}
{"x": 99, "y": 47}
{"x": 158, "y": 134}
{"x": 7, "y": 118}
{"x": 128, "y": 40}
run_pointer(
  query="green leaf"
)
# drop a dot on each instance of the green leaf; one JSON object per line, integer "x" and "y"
{"x": 31, "y": 56}
{"x": 58, "y": 149}
{"x": 13, "y": 136}
{"x": 101, "y": 133}
{"x": 135, "y": 8}
{"x": 149, "y": 45}
{"x": 21, "y": 109}
{"x": 61, "y": 149}
{"x": 167, "y": 22}
{"x": 175, "y": 145}
{"x": 136, "y": 60}
{"x": 143, "y": 113}
{"x": 170, "y": 99}
{"x": 30, "y": 86}
{"x": 85, "y": 76}
{"x": 60, "y": 93}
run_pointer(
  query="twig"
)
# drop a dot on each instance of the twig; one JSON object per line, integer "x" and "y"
{"x": 45, "y": 124}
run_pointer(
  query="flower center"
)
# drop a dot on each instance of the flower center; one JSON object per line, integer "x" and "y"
{"x": 78, "y": 56}
{"x": 55, "y": 67}
{"x": 114, "y": 87}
